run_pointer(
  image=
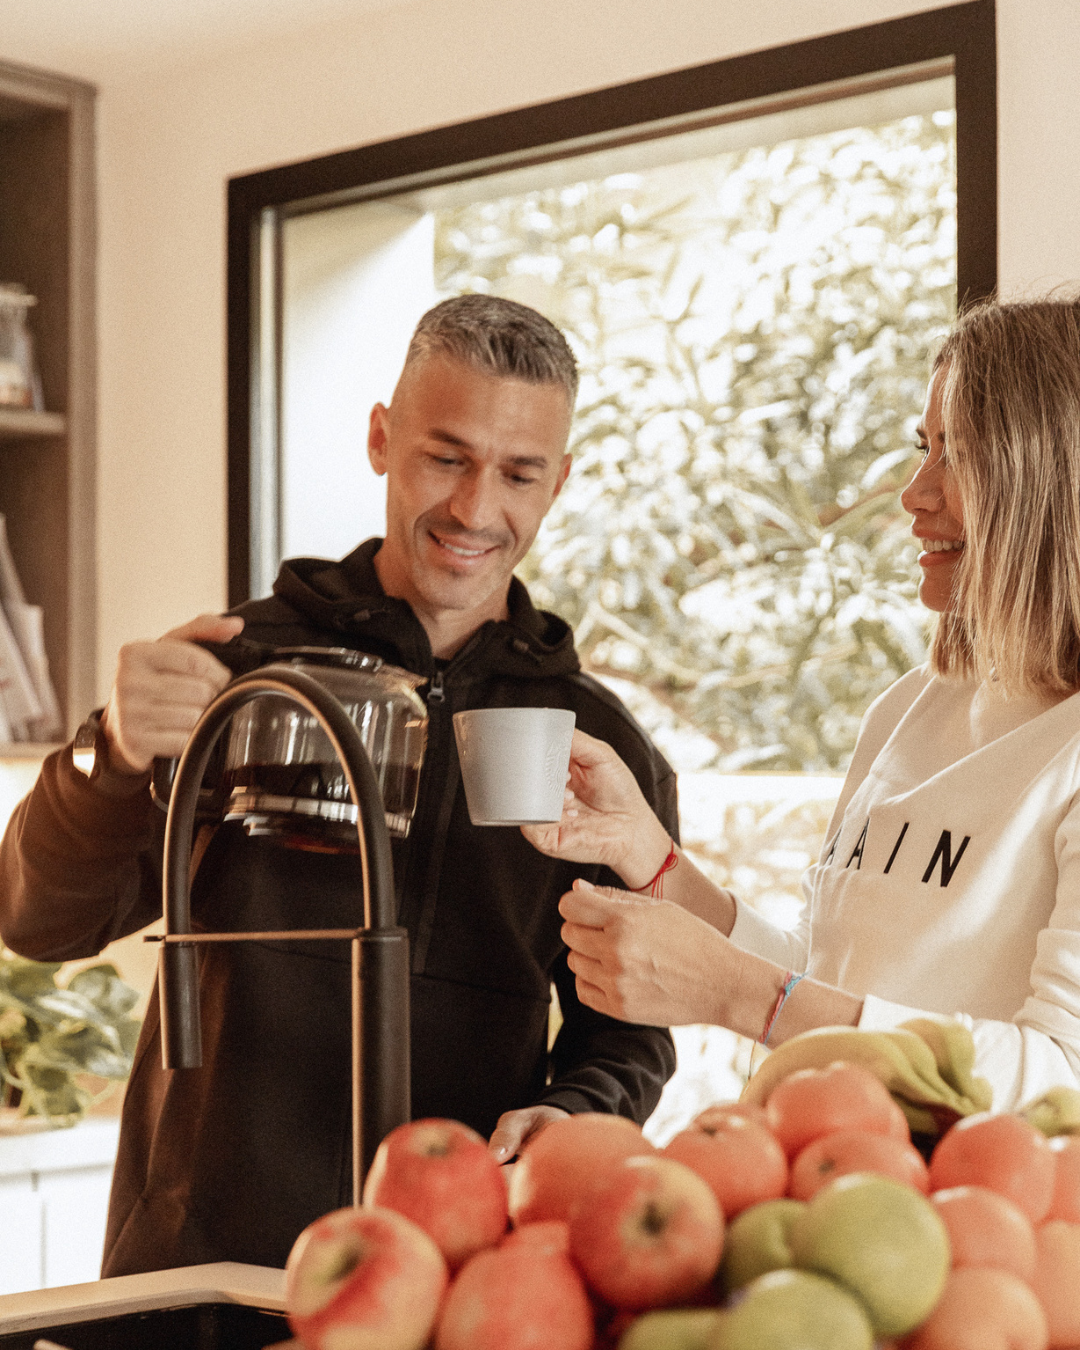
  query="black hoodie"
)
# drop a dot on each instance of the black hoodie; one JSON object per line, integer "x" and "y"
{"x": 230, "y": 1162}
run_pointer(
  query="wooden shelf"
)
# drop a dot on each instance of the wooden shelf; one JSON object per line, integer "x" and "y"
{"x": 47, "y": 459}
{"x": 19, "y": 422}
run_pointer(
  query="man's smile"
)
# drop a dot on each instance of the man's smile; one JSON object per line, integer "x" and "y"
{"x": 462, "y": 550}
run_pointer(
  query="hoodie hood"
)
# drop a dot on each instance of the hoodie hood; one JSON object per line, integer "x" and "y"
{"x": 346, "y": 598}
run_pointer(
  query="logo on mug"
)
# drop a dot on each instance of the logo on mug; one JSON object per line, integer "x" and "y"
{"x": 554, "y": 758}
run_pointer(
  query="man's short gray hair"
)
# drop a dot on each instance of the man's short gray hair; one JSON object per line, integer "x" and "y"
{"x": 497, "y": 336}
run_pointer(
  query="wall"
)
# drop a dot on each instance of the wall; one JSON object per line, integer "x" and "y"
{"x": 172, "y": 134}
{"x": 1039, "y": 144}
{"x": 341, "y": 268}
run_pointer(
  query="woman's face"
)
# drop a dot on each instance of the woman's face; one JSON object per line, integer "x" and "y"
{"x": 934, "y": 502}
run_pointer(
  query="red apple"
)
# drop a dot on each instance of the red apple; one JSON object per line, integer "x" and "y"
{"x": 649, "y": 1233}
{"x": 557, "y": 1166}
{"x": 1066, "y": 1200}
{"x": 811, "y": 1102}
{"x": 716, "y": 1114}
{"x": 845, "y": 1151}
{"x": 362, "y": 1277}
{"x": 742, "y": 1162}
{"x": 983, "y": 1309}
{"x": 1004, "y": 1153}
{"x": 547, "y": 1235}
{"x": 986, "y": 1230}
{"x": 440, "y": 1174}
{"x": 523, "y": 1295}
{"x": 1057, "y": 1279}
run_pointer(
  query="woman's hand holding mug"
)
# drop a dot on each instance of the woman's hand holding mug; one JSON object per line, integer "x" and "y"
{"x": 605, "y": 818}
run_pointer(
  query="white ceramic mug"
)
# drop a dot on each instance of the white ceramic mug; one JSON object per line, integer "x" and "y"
{"x": 514, "y": 763}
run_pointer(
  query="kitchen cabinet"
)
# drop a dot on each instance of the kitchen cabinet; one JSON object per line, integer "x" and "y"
{"x": 47, "y": 458}
{"x": 54, "y": 1195}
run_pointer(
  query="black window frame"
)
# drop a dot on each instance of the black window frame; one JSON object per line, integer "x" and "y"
{"x": 963, "y": 33}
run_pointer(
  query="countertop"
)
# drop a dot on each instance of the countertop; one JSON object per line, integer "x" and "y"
{"x": 223, "y": 1282}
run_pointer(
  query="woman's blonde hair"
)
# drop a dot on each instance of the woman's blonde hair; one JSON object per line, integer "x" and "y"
{"x": 1011, "y": 416}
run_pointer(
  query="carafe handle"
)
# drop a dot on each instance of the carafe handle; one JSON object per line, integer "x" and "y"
{"x": 161, "y": 781}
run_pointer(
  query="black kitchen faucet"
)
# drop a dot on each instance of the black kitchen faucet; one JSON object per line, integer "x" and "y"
{"x": 380, "y": 950}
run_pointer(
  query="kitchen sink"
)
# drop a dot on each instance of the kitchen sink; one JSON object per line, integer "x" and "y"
{"x": 217, "y": 1307}
{"x": 199, "y": 1326}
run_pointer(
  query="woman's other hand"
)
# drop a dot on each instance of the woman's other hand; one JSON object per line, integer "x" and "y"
{"x": 605, "y": 818}
{"x": 656, "y": 962}
{"x": 641, "y": 959}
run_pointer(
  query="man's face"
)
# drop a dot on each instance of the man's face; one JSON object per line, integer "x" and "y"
{"x": 473, "y": 462}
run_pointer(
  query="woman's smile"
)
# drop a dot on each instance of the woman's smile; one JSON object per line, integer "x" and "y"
{"x": 942, "y": 545}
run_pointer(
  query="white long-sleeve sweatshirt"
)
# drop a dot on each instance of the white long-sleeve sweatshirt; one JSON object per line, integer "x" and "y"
{"x": 949, "y": 881}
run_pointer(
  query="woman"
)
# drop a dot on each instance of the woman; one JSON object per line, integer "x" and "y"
{"x": 949, "y": 881}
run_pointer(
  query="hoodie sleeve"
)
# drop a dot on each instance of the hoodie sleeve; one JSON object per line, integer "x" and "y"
{"x": 600, "y": 1064}
{"x": 80, "y": 863}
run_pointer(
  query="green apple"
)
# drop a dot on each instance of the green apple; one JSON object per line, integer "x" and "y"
{"x": 793, "y": 1310}
{"x": 882, "y": 1240}
{"x": 670, "y": 1329}
{"x": 757, "y": 1241}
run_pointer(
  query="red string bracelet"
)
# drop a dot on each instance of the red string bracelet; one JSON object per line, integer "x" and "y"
{"x": 655, "y": 887}
{"x": 790, "y": 981}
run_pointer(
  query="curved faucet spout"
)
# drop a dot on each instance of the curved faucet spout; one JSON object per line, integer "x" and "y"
{"x": 380, "y": 1011}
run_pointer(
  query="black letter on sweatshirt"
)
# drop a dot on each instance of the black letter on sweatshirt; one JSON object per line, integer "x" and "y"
{"x": 832, "y": 850}
{"x": 857, "y": 851}
{"x": 944, "y": 852}
{"x": 896, "y": 847}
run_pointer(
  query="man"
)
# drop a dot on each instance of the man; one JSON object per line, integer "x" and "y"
{"x": 231, "y": 1161}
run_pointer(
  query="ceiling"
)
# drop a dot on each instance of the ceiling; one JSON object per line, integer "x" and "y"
{"x": 90, "y": 37}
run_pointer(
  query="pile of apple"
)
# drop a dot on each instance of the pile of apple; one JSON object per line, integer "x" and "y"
{"x": 812, "y": 1223}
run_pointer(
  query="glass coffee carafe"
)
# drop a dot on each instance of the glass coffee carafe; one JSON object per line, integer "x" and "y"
{"x": 281, "y": 777}
{"x": 274, "y": 769}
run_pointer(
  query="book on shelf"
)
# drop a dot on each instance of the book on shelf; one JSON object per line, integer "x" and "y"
{"x": 29, "y": 708}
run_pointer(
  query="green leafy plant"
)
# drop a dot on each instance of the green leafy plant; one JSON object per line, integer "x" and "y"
{"x": 55, "y": 1039}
